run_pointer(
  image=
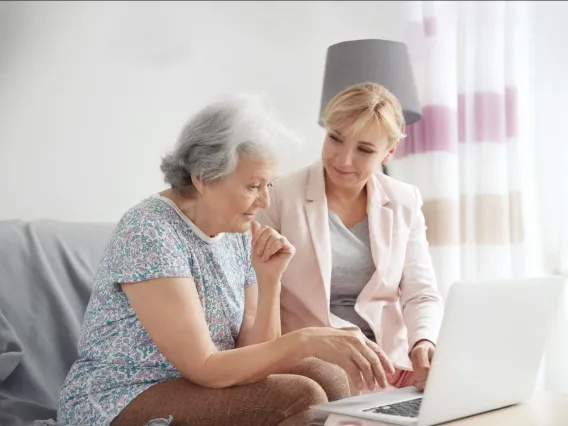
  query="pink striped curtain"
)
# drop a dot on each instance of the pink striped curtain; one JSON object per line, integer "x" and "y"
{"x": 463, "y": 155}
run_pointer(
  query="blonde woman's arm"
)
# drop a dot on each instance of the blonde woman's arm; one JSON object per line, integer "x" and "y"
{"x": 421, "y": 302}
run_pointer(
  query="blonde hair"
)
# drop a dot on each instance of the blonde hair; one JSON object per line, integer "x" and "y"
{"x": 360, "y": 104}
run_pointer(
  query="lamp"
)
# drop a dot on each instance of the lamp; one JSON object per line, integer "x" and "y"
{"x": 378, "y": 61}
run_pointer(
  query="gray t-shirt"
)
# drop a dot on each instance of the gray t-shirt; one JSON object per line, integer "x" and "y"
{"x": 352, "y": 268}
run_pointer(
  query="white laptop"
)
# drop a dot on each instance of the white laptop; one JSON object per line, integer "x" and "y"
{"x": 488, "y": 355}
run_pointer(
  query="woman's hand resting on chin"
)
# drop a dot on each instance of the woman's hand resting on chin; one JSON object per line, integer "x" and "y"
{"x": 271, "y": 252}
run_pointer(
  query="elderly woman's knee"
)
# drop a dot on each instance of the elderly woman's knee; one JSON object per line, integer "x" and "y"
{"x": 298, "y": 393}
{"x": 330, "y": 377}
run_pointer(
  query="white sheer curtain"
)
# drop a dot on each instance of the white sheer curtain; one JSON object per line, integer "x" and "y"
{"x": 466, "y": 154}
{"x": 490, "y": 155}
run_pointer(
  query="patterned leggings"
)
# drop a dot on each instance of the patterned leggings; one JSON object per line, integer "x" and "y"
{"x": 280, "y": 399}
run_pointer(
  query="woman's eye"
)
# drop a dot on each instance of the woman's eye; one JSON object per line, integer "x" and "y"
{"x": 257, "y": 187}
{"x": 366, "y": 151}
{"x": 335, "y": 138}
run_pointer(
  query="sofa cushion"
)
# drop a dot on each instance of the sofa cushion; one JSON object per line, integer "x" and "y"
{"x": 46, "y": 271}
{"x": 10, "y": 349}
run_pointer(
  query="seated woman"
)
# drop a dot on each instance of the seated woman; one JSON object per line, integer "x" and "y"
{"x": 362, "y": 260}
{"x": 184, "y": 320}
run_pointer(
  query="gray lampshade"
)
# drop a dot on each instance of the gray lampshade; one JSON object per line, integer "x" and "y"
{"x": 378, "y": 61}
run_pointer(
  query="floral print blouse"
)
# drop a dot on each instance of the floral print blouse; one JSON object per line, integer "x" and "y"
{"x": 117, "y": 358}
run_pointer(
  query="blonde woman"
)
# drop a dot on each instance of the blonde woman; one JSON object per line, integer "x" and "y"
{"x": 362, "y": 259}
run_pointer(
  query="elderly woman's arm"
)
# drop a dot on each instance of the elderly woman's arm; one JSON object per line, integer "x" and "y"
{"x": 421, "y": 302}
{"x": 261, "y": 320}
{"x": 171, "y": 312}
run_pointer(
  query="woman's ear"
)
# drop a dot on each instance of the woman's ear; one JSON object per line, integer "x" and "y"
{"x": 390, "y": 153}
{"x": 197, "y": 184}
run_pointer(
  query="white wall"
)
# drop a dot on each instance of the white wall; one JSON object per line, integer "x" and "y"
{"x": 93, "y": 94}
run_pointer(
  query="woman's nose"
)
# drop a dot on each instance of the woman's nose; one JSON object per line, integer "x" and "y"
{"x": 345, "y": 157}
{"x": 263, "y": 201}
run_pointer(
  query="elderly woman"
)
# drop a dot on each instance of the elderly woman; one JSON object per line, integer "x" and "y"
{"x": 362, "y": 260}
{"x": 184, "y": 320}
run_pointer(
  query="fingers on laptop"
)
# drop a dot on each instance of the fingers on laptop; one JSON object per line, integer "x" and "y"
{"x": 370, "y": 368}
{"x": 385, "y": 361}
{"x": 354, "y": 372}
{"x": 372, "y": 364}
{"x": 420, "y": 384}
{"x": 421, "y": 364}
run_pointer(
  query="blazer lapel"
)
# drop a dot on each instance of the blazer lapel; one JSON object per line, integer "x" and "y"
{"x": 380, "y": 217}
{"x": 317, "y": 216}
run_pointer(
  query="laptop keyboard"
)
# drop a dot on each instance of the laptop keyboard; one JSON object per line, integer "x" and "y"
{"x": 408, "y": 408}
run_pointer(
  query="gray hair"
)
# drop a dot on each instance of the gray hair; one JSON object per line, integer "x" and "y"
{"x": 213, "y": 140}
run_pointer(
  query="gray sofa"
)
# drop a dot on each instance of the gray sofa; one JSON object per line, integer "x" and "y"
{"x": 46, "y": 271}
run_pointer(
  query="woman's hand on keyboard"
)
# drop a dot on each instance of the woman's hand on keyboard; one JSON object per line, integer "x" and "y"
{"x": 421, "y": 357}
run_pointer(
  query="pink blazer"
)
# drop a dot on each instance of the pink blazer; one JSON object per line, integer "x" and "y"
{"x": 401, "y": 302}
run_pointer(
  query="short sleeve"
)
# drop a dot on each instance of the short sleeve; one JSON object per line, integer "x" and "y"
{"x": 146, "y": 247}
{"x": 250, "y": 274}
